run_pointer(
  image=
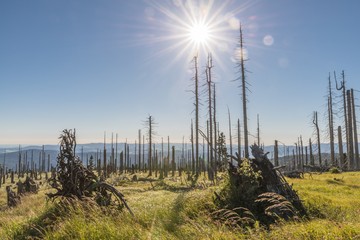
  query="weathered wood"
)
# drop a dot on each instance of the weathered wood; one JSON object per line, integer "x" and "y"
{"x": 72, "y": 179}
{"x": 12, "y": 198}
{"x": 273, "y": 180}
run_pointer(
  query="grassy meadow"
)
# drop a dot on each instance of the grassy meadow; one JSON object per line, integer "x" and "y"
{"x": 173, "y": 209}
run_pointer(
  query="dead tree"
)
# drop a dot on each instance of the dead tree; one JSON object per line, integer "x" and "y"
{"x": 345, "y": 110}
{"x": 196, "y": 92}
{"x": 272, "y": 181}
{"x": 350, "y": 131}
{"x": 230, "y": 136}
{"x": 258, "y": 131}
{"x": 173, "y": 164}
{"x": 150, "y": 125}
{"x": 316, "y": 125}
{"x": 139, "y": 150}
{"x": 302, "y": 153}
{"x": 215, "y": 129}
{"x": 12, "y": 198}
{"x": 356, "y": 142}
{"x": 241, "y": 65}
{"x": 276, "y": 154}
{"x": 105, "y": 162}
{"x": 73, "y": 180}
{"x": 192, "y": 149}
{"x": 331, "y": 124}
{"x": 209, "y": 67}
{"x": 239, "y": 137}
{"x": 312, "y": 162}
{"x": 341, "y": 152}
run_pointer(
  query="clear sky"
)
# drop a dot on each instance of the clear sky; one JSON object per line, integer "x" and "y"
{"x": 107, "y": 65}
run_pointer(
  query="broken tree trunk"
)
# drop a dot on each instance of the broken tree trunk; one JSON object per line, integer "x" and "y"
{"x": 73, "y": 180}
{"x": 273, "y": 180}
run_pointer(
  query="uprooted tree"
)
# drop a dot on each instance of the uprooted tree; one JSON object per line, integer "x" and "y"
{"x": 73, "y": 180}
{"x": 256, "y": 191}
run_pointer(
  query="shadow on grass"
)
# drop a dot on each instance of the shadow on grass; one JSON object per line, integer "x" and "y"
{"x": 175, "y": 219}
{"x": 161, "y": 185}
{"x": 341, "y": 182}
{"x": 37, "y": 227}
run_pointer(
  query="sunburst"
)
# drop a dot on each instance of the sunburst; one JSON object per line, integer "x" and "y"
{"x": 189, "y": 28}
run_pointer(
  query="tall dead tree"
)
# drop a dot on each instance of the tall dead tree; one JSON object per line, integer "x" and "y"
{"x": 19, "y": 165}
{"x": 105, "y": 163}
{"x": 356, "y": 142}
{"x": 276, "y": 154}
{"x": 341, "y": 152}
{"x": 239, "y": 137}
{"x": 343, "y": 89}
{"x": 230, "y": 136}
{"x": 116, "y": 154}
{"x": 241, "y": 65}
{"x": 196, "y": 79}
{"x": 112, "y": 158}
{"x": 350, "y": 142}
{"x": 316, "y": 125}
{"x": 331, "y": 124}
{"x": 150, "y": 125}
{"x": 192, "y": 149}
{"x": 215, "y": 128}
{"x": 209, "y": 85}
{"x": 139, "y": 149}
{"x": 301, "y": 145}
{"x": 258, "y": 131}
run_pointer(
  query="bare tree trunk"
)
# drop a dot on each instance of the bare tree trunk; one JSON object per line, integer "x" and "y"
{"x": 208, "y": 148}
{"x": 139, "y": 135}
{"x": 210, "y": 137}
{"x": 341, "y": 152}
{"x": 150, "y": 144}
{"x": 19, "y": 165}
{"x": 239, "y": 138}
{"x": 215, "y": 132}
{"x": 276, "y": 154}
{"x": 192, "y": 149}
{"x": 105, "y": 163}
{"x": 116, "y": 153}
{"x": 258, "y": 130}
{"x": 350, "y": 131}
{"x": 143, "y": 153}
{"x": 316, "y": 124}
{"x": 112, "y": 157}
{"x": 244, "y": 98}
{"x": 356, "y": 142}
{"x": 297, "y": 156}
{"x": 294, "y": 159}
{"x": 302, "y": 153}
{"x": 230, "y": 136}
{"x": 331, "y": 125}
{"x": 173, "y": 160}
{"x": 196, "y": 116}
{"x": 343, "y": 88}
{"x": 125, "y": 155}
{"x": 168, "y": 158}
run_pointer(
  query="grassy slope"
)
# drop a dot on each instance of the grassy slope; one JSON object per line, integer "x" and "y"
{"x": 170, "y": 210}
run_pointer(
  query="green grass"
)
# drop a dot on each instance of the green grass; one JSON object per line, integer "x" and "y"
{"x": 171, "y": 209}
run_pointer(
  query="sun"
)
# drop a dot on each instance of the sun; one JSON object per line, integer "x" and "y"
{"x": 186, "y": 28}
{"x": 199, "y": 33}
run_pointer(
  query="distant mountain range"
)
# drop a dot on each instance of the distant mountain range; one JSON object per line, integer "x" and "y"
{"x": 11, "y": 153}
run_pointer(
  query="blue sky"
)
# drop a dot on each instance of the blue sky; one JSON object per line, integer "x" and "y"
{"x": 106, "y": 65}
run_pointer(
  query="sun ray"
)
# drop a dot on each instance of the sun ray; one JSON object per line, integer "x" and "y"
{"x": 184, "y": 28}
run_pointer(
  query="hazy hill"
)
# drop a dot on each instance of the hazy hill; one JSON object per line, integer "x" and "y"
{"x": 84, "y": 151}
